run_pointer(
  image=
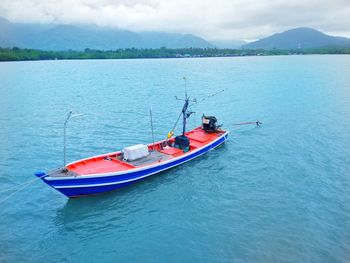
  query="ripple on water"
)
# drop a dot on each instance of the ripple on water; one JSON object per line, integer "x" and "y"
{"x": 276, "y": 193}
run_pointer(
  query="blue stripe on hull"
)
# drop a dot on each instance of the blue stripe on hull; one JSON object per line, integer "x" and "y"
{"x": 87, "y": 186}
{"x": 81, "y": 191}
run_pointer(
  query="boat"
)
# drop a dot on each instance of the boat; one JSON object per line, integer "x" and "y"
{"x": 110, "y": 171}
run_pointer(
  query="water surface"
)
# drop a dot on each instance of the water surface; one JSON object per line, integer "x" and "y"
{"x": 278, "y": 193}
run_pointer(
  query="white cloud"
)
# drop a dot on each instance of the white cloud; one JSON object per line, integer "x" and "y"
{"x": 220, "y": 19}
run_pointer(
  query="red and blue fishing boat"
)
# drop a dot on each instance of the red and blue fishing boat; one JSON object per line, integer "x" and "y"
{"x": 118, "y": 169}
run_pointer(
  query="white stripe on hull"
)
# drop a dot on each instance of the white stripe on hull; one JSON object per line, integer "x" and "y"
{"x": 144, "y": 176}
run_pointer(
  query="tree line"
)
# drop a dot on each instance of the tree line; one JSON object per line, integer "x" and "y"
{"x": 19, "y": 54}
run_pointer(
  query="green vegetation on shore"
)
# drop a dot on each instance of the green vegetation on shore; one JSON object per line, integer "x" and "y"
{"x": 17, "y": 54}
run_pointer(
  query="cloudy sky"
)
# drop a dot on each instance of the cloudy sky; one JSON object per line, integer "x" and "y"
{"x": 211, "y": 19}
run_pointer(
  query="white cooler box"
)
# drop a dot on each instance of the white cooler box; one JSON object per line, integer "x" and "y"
{"x": 134, "y": 152}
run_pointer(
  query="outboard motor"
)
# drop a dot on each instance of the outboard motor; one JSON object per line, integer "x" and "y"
{"x": 209, "y": 123}
{"x": 182, "y": 142}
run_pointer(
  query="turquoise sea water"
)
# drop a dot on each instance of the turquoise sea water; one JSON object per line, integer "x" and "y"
{"x": 278, "y": 193}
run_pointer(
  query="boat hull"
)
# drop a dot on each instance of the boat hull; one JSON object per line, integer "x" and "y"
{"x": 89, "y": 185}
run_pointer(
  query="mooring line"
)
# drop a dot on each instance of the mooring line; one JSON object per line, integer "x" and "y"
{"x": 22, "y": 186}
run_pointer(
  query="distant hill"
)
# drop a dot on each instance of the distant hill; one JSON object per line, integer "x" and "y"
{"x": 301, "y": 38}
{"x": 65, "y": 37}
{"x": 235, "y": 44}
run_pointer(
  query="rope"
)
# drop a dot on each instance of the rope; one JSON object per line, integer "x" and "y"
{"x": 209, "y": 96}
{"x": 22, "y": 186}
{"x": 172, "y": 130}
{"x": 12, "y": 188}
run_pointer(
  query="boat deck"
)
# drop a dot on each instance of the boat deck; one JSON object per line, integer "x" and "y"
{"x": 100, "y": 165}
{"x": 61, "y": 172}
{"x": 153, "y": 157}
{"x": 113, "y": 162}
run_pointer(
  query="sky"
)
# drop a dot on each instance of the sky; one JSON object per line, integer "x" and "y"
{"x": 210, "y": 19}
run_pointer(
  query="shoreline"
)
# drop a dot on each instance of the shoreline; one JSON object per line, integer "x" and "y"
{"x": 18, "y": 54}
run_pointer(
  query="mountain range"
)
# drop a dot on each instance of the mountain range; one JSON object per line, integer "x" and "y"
{"x": 65, "y": 37}
{"x": 79, "y": 37}
{"x": 298, "y": 38}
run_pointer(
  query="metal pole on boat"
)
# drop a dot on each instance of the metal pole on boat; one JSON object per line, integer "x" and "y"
{"x": 185, "y": 87}
{"x": 70, "y": 116}
{"x": 150, "y": 114}
{"x": 185, "y": 115}
{"x": 64, "y": 138}
{"x": 184, "y": 112}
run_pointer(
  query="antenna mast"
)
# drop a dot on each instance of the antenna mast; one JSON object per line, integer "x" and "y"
{"x": 185, "y": 113}
{"x": 150, "y": 113}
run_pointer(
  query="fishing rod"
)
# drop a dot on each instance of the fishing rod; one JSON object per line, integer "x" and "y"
{"x": 257, "y": 123}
